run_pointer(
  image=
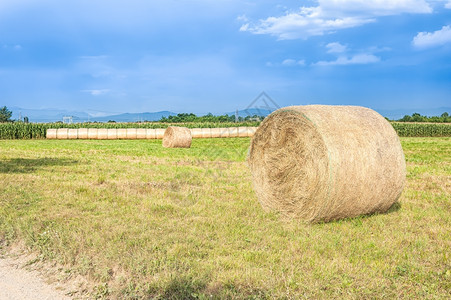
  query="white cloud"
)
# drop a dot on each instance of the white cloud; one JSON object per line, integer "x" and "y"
{"x": 336, "y": 48}
{"x": 375, "y": 7}
{"x": 97, "y": 92}
{"x": 432, "y": 39}
{"x": 308, "y": 22}
{"x": 358, "y": 59}
{"x": 332, "y": 15}
{"x": 13, "y": 47}
{"x": 242, "y": 18}
{"x": 343, "y": 58}
{"x": 287, "y": 63}
{"x": 448, "y": 4}
{"x": 293, "y": 62}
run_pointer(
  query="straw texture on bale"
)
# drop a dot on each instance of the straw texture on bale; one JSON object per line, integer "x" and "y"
{"x": 102, "y": 134}
{"x": 82, "y": 133}
{"x": 72, "y": 134}
{"x": 321, "y": 163}
{"x": 92, "y": 133}
{"x": 159, "y": 133}
{"x": 50, "y": 134}
{"x": 177, "y": 137}
{"x": 62, "y": 133}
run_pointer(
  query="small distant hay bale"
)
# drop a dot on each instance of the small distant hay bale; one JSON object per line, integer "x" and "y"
{"x": 251, "y": 131}
{"x": 50, "y": 134}
{"x": 131, "y": 133}
{"x": 216, "y": 132}
{"x": 242, "y": 132}
{"x": 92, "y": 133}
{"x": 196, "y": 133}
{"x": 151, "y": 134}
{"x": 177, "y": 137}
{"x": 102, "y": 134}
{"x": 82, "y": 133}
{"x": 159, "y": 133}
{"x": 206, "y": 132}
{"x": 61, "y": 133}
{"x": 233, "y": 132}
{"x": 322, "y": 163}
{"x": 141, "y": 133}
{"x": 122, "y": 133}
{"x": 112, "y": 134}
{"x": 72, "y": 134}
{"x": 224, "y": 132}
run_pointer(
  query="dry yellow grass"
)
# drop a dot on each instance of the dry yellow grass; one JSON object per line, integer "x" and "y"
{"x": 142, "y": 221}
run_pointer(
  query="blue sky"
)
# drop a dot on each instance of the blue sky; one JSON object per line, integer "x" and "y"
{"x": 216, "y": 56}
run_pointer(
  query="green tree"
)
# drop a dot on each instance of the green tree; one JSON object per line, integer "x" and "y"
{"x": 5, "y": 114}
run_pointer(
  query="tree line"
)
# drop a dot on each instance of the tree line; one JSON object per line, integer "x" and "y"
{"x": 416, "y": 117}
{"x": 192, "y": 118}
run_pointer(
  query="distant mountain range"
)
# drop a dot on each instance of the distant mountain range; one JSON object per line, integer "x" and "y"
{"x": 55, "y": 115}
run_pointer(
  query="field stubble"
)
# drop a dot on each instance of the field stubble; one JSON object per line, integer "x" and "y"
{"x": 139, "y": 220}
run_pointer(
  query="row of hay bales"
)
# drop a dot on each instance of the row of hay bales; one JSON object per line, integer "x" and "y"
{"x": 144, "y": 133}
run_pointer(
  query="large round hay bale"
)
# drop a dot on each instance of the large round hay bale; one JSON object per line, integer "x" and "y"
{"x": 82, "y": 133}
{"x": 151, "y": 134}
{"x": 72, "y": 134}
{"x": 102, "y": 134}
{"x": 92, "y": 133}
{"x": 50, "y": 134}
{"x": 141, "y": 133}
{"x": 177, "y": 137}
{"x": 196, "y": 133}
{"x": 206, "y": 132}
{"x": 321, "y": 163}
{"x": 159, "y": 133}
{"x": 61, "y": 133}
{"x": 131, "y": 133}
{"x": 112, "y": 134}
{"x": 122, "y": 133}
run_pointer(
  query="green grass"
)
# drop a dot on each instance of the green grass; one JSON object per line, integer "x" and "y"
{"x": 139, "y": 220}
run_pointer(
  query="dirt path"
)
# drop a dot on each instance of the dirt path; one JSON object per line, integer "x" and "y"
{"x": 18, "y": 283}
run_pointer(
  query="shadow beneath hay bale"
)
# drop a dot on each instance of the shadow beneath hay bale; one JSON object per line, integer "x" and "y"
{"x": 186, "y": 287}
{"x": 394, "y": 208}
{"x": 28, "y": 165}
{"x": 358, "y": 220}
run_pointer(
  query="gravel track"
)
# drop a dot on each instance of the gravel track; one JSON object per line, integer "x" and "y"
{"x": 21, "y": 284}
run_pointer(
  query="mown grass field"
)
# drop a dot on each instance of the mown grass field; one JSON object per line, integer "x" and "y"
{"x": 141, "y": 221}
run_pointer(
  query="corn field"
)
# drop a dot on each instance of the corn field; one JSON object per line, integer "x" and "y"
{"x": 422, "y": 129}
